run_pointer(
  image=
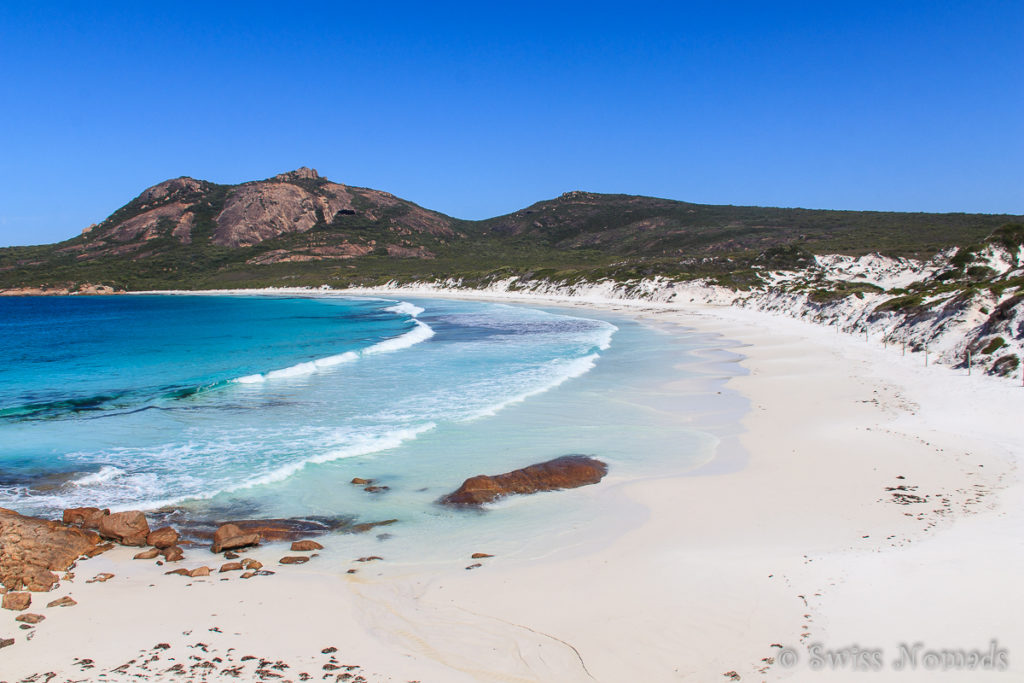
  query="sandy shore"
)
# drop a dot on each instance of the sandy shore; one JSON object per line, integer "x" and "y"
{"x": 793, "y": 538}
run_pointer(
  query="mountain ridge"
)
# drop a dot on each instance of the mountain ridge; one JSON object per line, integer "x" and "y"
{"x": 299, "y": 228}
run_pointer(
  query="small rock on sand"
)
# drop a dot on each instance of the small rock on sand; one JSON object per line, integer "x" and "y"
{"x": 293, "y": 559}
{"x": 66, "y": 601}
{"x": 200, "y": 571}
{"x": 371, "y": 558}
{"x": 182, "y": 572}
{"x": 4, "y": 642}
{"x": 230, "y": 567}
{"x": 17, "y": 601}
{"x": 479, "y": 556}
{"x": 150, "y": 554}
{"x": 29, "y": 618}
{"x": 101, "y": 577}
{"x": 173, "y": 553}
{"x": 306, "y": 545}
{"x": 254, "y": 565}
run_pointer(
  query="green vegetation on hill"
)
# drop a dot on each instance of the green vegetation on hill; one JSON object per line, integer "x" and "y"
{"x": 576, "y": 236}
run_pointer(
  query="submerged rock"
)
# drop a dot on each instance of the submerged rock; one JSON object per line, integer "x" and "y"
{"x": 566, "y": 472}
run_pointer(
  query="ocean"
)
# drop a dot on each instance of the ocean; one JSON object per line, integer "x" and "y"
{"x": 243, "y": 407}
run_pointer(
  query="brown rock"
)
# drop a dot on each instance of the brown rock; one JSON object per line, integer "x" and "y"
{"x": 17, "y": 601}
{"x": 474, "y": 565}
{"x": 375, "y": 489}
{"x": 84, "y": 517}
{"x": 172, "y": 554}
{"x": 66, "y": 601}
{"x": 150, "y": 554}
{"x": 180, "y": 572}
{"x": 351, "y": 571}
{"x": 479, "y": 556}
{"x": 293, "y": 559}
{"x": 31, "y": 548}
{"x": 102, "y": 577}
{"x": 164, "y": 537}
{"x": 127, "y": 528}
{"x": 38, "y": 579}
{"x": 249, "y": 563}
{"x": 101, "y": 548}
{"x": 200, "y": 571}
{"x": 29, "y": 618}
{"x": 230, "y": 536}
{"x": 231, "y": 555}
{"x": 5, "y": 642}
{"x": 359, "y": 481}
{"x": 248, "y": 575}
{"x": 306, "y": 545}
{"x": 566, "y": 472}
{"x": 371, "y": 558}
{"x": 230, "y": 567}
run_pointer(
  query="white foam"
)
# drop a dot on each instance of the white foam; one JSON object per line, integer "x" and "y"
{"x": 569, "y": 370}
{"x": 420, "y": 333}
{"x": 360, "y": 446}
{"x": 104, "y": 474}
{"x": 405, "y": 308}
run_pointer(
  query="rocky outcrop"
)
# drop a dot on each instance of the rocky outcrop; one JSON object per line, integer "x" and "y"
{"x": 127, "y": 528}
{"x": 258, "y": 211}
{"x": 31, "y": 549}
{"x": 569, "y": 471}
{"x": 231, "y": 536}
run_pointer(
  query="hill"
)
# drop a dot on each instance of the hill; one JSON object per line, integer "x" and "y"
{"x": 298, "y": 228}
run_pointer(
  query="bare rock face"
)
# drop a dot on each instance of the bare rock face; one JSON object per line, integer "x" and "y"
{"x": 171, "y": 189}
{"x": 230, "y": 536}
{"x": 127, "y": 528}
{"x": 85, "y": 517}
{"x": 163, "y": 537}
{"x": 567, "y": 472}
{"x": 258, "y": 211}
{"x": 32, "y": 548}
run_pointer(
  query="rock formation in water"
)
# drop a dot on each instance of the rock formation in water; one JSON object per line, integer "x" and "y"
{"x": 566, "y": 472}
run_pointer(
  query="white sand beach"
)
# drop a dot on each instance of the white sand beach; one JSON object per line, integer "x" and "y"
{"x": 792, "y": 537}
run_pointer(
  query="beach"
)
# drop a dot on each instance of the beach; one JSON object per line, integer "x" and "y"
{"x": 864, "y": 504}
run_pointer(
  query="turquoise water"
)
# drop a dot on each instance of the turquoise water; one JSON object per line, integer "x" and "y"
{"x": 242, "y": 407}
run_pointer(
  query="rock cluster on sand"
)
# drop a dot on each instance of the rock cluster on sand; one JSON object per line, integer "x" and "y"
{"x": 566, "y": 472}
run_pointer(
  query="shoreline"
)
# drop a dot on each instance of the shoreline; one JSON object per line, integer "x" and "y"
{"x": 791, "y": 518}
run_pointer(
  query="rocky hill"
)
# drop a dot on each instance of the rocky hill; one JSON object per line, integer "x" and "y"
{"x": 299, "y": 228}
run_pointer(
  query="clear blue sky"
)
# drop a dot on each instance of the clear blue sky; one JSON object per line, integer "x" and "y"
{"x": 477, "y": 110}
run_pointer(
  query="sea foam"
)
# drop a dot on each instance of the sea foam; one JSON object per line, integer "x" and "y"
{"x": 419, "y": 333}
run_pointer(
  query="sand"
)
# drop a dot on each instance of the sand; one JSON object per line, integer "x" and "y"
{"x": 790, "y": 539}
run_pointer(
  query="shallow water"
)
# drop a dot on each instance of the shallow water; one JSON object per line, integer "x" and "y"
{"x": 243, "y": 407}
